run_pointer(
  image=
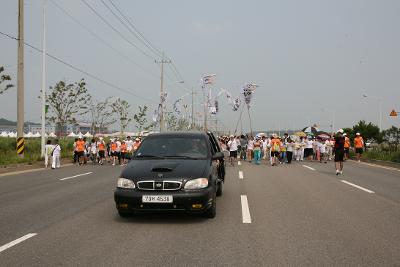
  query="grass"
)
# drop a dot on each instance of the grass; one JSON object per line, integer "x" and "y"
{"x": 8, "y": 154}
{"x": 393, "y": 156}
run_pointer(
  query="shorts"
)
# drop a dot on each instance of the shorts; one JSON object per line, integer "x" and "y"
{"x": 80, "y": 153}
{"x": 359, "y": 150}
{"x": 275, "y": 153}
{"x": 308, "y": 152}
{"x": 101, "y": 154}
{"x": 346, "y": 150}
{"x": 123, "y": 155}
{"x": 115, "y": 154}
{"x": 339, "y": 155}
{"x": 233, "y": 154}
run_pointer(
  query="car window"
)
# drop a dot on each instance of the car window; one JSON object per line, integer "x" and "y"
{"x": 176, "y": 146}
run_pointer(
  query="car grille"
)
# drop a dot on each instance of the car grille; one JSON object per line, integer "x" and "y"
{"x": 159, "y": 185}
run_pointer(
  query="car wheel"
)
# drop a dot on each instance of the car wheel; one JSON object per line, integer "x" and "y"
{"x": 220, "y": 188}
{"x": 212, "y": 211}
{"x": 125, "y": 214}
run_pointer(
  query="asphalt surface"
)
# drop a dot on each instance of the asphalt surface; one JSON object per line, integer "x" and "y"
{"x": 298, "y": 215}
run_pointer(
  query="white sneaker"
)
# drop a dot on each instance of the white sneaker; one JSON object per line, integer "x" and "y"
{"x": 337, "y": 172}
{"x": 341, "y": 172}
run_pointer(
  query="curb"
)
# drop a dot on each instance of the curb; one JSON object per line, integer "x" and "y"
{"x": 30, "y": 170}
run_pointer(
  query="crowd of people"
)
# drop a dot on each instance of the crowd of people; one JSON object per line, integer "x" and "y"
{"x": 276, "y": 150}
{"x": 97, "y": 150}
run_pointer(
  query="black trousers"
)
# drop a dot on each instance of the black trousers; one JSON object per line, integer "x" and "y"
{"x": 289, "y": 156}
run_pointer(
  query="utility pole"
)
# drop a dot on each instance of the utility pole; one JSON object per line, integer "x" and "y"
{"x": 192, "y": 125}
{"x": 205, "y": 109}
{"x": 162, "y": 61}
{"x": 43, "y": 138}
{"x": 20, "y": 81}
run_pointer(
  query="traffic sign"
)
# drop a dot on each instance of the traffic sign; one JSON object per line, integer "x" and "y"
{"x": 393, "y": 113}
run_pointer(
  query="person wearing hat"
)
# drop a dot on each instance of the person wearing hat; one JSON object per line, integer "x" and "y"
{"x": 101, "y": 148}
{"x": 233, "y": 148}
{"x": 136, "y": 144}
{"x": 346, "y": 146}
{"x": 257, "y": 150}
{"x": 56, "y": 155}
{"x": 129, "y": 148}
{"x": 275, "y": 149}
{"x": 339, "y": 151}
{"x": 359, "y": 145}
{"x": 80, "y": 148}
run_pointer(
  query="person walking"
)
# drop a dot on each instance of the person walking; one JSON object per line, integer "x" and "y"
{"x": 257, "y": 150}
{"x": 243, "y": 147}
{"x": 56, "y": 155}
{"x": 289, "y": 150}
{"x": 250, "y": 147}
{"x": 346, "y": 146}
{"x": 339, "y": 152}
{"x": 275, "y": 150}
{"x": 233, "y": 149}
{"x": 359, "y": 145}
{"x": 101, "y": 148}
{"x": 47, "y": 153}
{"x": 80, "y": 149}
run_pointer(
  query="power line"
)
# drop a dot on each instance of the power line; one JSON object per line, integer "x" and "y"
{"x": 135, "y": 31}
{"x": 81, "y": 71}
{"x": 103, "y": 41}
{"x": 115, "y": 30}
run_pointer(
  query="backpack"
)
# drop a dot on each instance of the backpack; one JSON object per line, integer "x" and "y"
{"x": 276, "y": 146}
{"x": 53, "y": 149}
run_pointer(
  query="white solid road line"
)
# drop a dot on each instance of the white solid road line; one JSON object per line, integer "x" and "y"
{"x": 17, "y": 241}
{"x": 308, "y": 167}
{"x": 378, "y": 166}
{"x": 240, "y": 175}
{"x": 71, "y": 177}
{"x": 245, "y": 209}
{"x": 359, "y": 187}
{"x": 239, "y": 163}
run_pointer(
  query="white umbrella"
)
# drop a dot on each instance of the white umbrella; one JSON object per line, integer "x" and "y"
{"x": 28, "y": 135}
{"x": 4, "y": 134}
{"x": 87, "y": 134}
{"x": 70, "y": 135}
{"x": 37, "y": 135}
{"x": 12, "y": 134}
{"x": 53, "y": 135}
{"x": 80, "y": 134}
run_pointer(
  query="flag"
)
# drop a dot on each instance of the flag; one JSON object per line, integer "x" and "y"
{"x": 208, "y": 79}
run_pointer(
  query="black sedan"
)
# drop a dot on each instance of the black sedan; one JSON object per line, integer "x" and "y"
{"x": 172, "y": 172}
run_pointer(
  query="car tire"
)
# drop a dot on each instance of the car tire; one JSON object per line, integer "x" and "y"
{"x": 212, "y": 211}
{"x": 220, "y": 188}
{"x": 125, "y": 214}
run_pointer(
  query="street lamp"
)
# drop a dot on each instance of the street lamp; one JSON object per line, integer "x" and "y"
{"x": 43, "y": 137}
{"x": 379, "y": 99}
{"x": 333, "y": 119}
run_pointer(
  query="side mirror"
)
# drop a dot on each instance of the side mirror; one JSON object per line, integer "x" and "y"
{"x": 218, "y": 155}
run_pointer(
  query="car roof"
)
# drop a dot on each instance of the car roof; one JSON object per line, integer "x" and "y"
{"x": 172, "y": 134}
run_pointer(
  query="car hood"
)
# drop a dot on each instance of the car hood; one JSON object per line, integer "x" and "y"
{"x": 176, "y": 169}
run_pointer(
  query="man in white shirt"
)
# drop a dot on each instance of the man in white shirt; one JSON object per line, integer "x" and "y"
{"x": 129, "y": 147}
{"x": 233, "y": 147}
{"x": 56, "y": 156}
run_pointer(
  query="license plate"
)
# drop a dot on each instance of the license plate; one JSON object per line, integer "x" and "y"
{"x": 157, "y": 199}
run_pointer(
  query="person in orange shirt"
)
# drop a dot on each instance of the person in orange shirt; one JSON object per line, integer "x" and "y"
{"x": 359, "y": 145}
{"x": 80, "y": 148}
{"x": 346, "y": 146}
{"x": 123, "y": 153}
{"x": 101, "y": 147}
{"x": 275, "y": 150}
{"x": 114, "y": 152}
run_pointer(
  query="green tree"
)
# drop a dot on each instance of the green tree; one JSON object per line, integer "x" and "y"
{"x": 140, "y": 118}
{"x": 171, "y": 121}
{"x": 392, "y": 136}
{"x": 369, "y": 131}
{"x": 4, "y": 78}
{"x": 102, "y": 115}
{"x": 67, "y": 102}
{"x": 121, "y": 108}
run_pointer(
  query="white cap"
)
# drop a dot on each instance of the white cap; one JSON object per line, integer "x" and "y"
{"x": 357, "y": 133}
{"x": 345, "y": 134}
{"x": 340, "y": 131}
{"x": 231, "y": 136}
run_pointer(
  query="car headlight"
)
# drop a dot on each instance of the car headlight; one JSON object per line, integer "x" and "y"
{"x": 196, "y": 183}
{"x": 125, "y": 183}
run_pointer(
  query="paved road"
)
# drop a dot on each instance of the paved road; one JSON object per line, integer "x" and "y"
{"x": 299, "y": 214}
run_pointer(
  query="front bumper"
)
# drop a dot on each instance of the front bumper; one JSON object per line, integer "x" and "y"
{"x": 196, "y": 201}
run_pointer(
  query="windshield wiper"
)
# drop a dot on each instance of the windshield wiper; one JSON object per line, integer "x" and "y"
{"x": 180, "y": 157}
{"x": 149, "y": 156}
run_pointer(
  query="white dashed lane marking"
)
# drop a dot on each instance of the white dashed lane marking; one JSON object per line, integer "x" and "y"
{"x": 71, "y": 177}
{"x": 245, "y": 209}
{"x": 239, "y": 163}
{"x": 308, "y": 167}
{"x": 16, "y": 241}
{"x": 240, "y": 175}
{"x": 359, "y": 187}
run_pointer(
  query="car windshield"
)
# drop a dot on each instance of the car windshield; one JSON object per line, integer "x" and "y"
{"x": 185, "y": 147}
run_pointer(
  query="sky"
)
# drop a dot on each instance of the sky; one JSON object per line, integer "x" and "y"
{"x": 312, "y": 59}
